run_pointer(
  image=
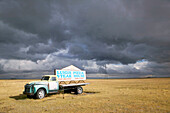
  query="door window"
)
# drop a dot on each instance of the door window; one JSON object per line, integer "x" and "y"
{"x": 53, "y": 79}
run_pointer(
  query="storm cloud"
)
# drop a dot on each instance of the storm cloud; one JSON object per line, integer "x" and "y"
{"x": 99, "y": 36}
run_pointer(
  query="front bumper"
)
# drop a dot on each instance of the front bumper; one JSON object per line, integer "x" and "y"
{"x": 31, "y": 94}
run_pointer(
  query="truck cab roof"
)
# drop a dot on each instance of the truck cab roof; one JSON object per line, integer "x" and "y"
{"x": 49, "y": 78}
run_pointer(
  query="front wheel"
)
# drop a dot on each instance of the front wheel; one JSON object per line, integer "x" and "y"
{"x": 40, "y": 94}
{"x": 79, "y": 90}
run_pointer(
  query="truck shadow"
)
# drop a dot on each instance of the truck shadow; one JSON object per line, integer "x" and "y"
{"x": 19, "y": 97}
{"x": 91, "y": 92}
{"x": 23, "y": 97}
{"x": 72, "y": 93}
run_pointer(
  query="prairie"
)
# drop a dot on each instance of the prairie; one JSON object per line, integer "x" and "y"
{"x": 100, "y": 96}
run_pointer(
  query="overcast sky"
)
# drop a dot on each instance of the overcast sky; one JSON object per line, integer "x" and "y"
{"x": 119, "y": 38}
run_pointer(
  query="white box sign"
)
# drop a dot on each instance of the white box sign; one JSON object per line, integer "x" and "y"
{"x": 70, "y": 75}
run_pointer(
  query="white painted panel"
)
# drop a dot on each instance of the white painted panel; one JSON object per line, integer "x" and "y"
{"x": 64, "y": 75}
{"x": 53, "y": 85}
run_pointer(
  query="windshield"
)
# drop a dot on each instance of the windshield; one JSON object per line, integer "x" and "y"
{"x": 45, "y": 78}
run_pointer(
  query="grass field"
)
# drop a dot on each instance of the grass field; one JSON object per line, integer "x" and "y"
{"x": 110, "y": 96}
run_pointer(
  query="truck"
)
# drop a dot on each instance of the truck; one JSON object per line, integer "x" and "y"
{"x": 69, "y": 79}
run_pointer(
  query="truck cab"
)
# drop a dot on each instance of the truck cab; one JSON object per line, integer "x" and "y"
{"x": 39, "y": 89}
{"x": 52, "y": 82}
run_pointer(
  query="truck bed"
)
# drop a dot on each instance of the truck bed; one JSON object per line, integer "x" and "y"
{"x": 72, "y": 85}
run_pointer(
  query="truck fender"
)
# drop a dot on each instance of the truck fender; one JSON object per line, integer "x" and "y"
{"x": 43, "y": 89}
{"x": 37, "y": 87}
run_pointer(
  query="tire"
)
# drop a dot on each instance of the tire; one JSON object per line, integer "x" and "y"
{"x": 40, "y": 94}
{"x": 79, "y": 90}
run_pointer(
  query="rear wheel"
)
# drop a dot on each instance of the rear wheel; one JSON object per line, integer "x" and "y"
{"x": 40, "y": 94}
{"x": 79, "y": 90}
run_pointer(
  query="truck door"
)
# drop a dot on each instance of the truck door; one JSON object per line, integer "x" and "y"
{"x": 53, "y": 84}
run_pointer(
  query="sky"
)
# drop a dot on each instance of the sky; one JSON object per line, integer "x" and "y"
{"x": 106, "y": 38}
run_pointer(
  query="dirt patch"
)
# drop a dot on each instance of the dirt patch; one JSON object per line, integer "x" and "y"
{"x": 7, "y": 108}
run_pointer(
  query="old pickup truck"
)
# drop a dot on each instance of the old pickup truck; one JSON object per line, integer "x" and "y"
{"x": 57, "y": 82}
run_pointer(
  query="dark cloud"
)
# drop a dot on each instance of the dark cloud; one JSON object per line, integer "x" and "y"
{"x": 104, "y": 32}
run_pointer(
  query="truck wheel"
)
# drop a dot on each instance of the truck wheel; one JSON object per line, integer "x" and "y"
{"x": 40, "y": 94}
{"x": 79, "y": 90}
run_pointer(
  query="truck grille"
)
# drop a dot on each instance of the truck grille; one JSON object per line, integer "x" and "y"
{"x": 27, "y": 89}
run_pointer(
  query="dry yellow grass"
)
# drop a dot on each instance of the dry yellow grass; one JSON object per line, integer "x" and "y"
{"x": 112, "y": 95}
